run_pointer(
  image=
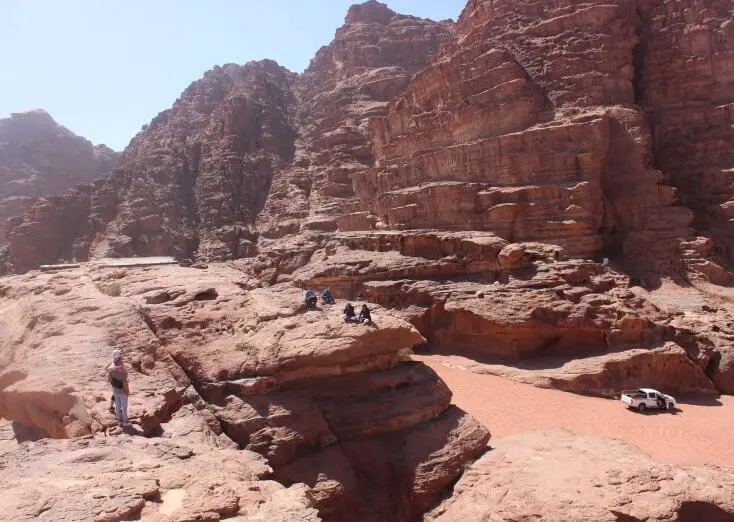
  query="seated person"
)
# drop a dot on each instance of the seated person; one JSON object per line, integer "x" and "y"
{"x": 327, "y": 297}
{"x": 349, "y": 315}
{"x": 310, "y": 298}
{"x": 364, "y": 315}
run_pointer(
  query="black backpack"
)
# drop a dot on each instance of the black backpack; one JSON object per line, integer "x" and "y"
{"x": 117, "y": 383}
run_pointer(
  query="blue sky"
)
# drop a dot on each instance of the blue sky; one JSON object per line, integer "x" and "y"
{"x": 104, "y": 68}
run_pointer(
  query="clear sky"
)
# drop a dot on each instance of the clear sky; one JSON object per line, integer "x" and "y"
{"x": 103, "y": 68}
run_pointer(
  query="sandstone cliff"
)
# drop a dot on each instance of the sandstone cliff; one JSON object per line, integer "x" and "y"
{"x": 467, "y": 179}
{"x": 540, "y": 122}
{"x": 329, "y": 404}
{"x": 39, "y": 157}
{"x": 246, "y": 151}
{"x": 537, "y": 124}
{"x": 530, "y": 134}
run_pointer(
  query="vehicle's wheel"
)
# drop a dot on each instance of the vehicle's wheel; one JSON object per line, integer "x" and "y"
{"x": 641, "y": 408}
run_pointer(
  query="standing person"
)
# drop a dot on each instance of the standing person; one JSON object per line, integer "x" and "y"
{"x": 117, "y": 376}
{"x": 364, "y": 315}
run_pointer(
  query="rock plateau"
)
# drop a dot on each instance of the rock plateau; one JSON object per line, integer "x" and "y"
{"x": 327, "y": 403}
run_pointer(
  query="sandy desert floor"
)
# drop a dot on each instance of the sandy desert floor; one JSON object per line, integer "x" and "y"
{"x": 701, "y": 432}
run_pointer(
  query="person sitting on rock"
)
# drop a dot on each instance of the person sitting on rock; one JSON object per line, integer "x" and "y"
{"x": 365, "y": 316}
{"x": 327, "y": 297}
{"x": 349, "y": 315}
{"x": 309, "y": 296}
{"x": 117, "y": 376}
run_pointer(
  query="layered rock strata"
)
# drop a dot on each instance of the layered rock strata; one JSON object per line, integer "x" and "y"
{"x": 327, "y": 403}
{"x": 576, "y": 325}
{"x": 520, "y": 129}
{"x": 686, "y": 85}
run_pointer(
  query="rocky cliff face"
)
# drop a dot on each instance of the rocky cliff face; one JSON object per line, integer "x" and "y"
{"x": 536, "y": 122}
{"x": 371, "y": 60}
{"x": 246, "y": 151}
{"x": 527, "y": 133}
{"x": 686, "y": 80}
{"x": 327, "y": 403}
{"x": 39, "y": 157}
{"x": 192, "y": 181}
{"x": 535, "y": 125}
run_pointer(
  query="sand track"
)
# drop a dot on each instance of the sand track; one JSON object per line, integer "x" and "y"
{"x": 697, "y": 434}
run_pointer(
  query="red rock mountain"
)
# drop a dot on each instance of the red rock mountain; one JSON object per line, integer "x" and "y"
{"x": 535, "y": 122}
{"x": 526, "y": 134}
{"x": 468, "y": 179}
{"x": 39, "y": 157}
{"x": 247, "y": 150}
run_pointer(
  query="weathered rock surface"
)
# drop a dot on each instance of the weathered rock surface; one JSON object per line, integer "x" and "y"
{"x": 686, "y": 86}
{"x": 39, "y": 157}
{"x": 599, "y": 479}
{"x": 246, "y": 150}
{"x": 127, "y": 477}
{"x": 371, "y": 60}
{"x": 461, "y": 176}
{"x": 314, "y": 395}
{"x": 529, "y": 125}
{"x": 499, "y": 147}
{"x": 191, "y": 181}
{"x": 523, "y": 310}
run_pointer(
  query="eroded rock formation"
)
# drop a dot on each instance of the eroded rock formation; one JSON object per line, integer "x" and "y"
{"x": 529, "y": 125}
{"x": 180, "y": 476}
{"x": 329, "y": 404}
{"x": 192, "y": 181}
{"x": 467, "y": 179}
{"x": 600, "y": 479}
{"x": 576, "y": 325}
{"x": 247, "y": 150}
{"x": 39, "y": 157}
{"x": 489, "y": 152}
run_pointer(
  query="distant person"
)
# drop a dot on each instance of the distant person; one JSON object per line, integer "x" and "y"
{"x": 327, "y": 297}
{"x": 365, "y": 316}
{"x": 350, "y": 315}
{"x": 309, "y": 296}
{"x": 117, "y": 376}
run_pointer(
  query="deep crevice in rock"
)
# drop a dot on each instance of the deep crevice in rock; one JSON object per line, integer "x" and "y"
{"x": 639, "y": 54}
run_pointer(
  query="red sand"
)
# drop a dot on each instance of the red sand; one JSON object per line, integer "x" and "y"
{"x": 695, "y": 435}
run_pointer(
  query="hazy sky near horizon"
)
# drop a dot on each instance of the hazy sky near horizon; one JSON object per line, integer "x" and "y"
{"x": 105, "y": 68}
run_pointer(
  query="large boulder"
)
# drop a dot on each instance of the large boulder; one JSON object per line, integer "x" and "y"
{"x": 558, "y": 475}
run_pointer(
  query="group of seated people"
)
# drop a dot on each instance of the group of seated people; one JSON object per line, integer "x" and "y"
{"x": 350, "y": 316}
{"x": 365, "y": 316}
